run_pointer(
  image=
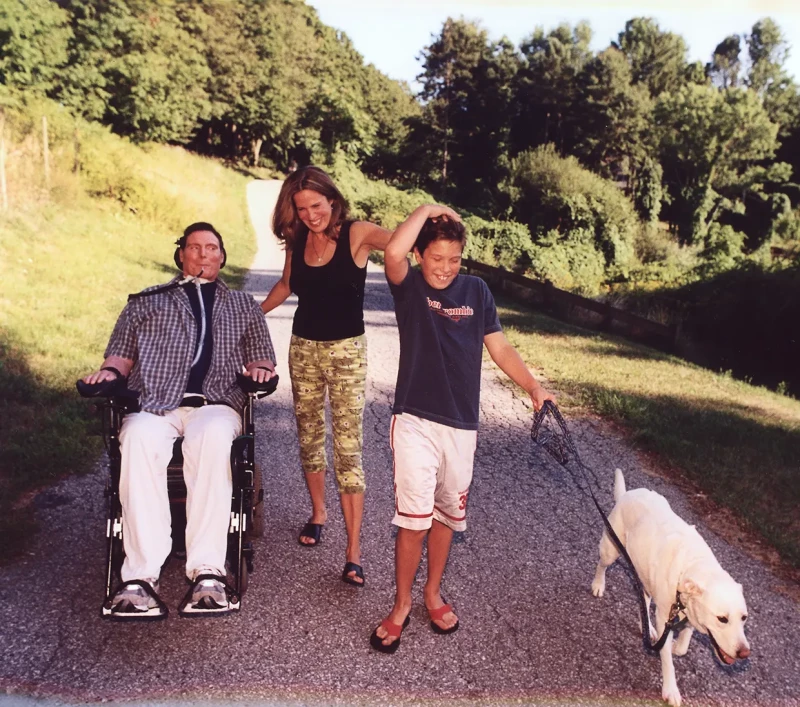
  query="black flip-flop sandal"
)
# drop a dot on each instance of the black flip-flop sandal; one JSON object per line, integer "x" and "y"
{"x": 312, "y": 531}
{"x": 357, "y": 570}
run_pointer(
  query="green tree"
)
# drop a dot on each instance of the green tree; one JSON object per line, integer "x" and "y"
{"x": 484, "y": 129}
{"x": 447, "y": 82}
{"x": 33, "y": 43}
{"x": 695, "y": 72}
{"x": 247, "y": 112}
{"x": 329, "y": 100}
{"x": 768, "y": 52}
{"x": 713, "y": 146}
{"x": 612, "y": 117}
{"x": 657, "y": 58}
{"x": 392, "y": 106}
{"x": 133, "y": 66}
{"x": 725, "y": 65}
{"x": 462, "y": 137}
{"x": 546, "y": 87}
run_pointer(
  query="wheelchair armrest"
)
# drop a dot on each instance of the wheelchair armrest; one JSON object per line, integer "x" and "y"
{"x": 107, "y": 389}
{"x": 248, "y": 385}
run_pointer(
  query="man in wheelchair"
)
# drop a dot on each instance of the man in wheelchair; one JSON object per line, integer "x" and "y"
{"x": 180, "y": 346}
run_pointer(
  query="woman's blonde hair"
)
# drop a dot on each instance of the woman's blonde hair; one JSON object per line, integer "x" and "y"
{"x": 285, "y": 223}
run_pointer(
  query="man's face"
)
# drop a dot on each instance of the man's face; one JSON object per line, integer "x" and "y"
{"x": 313, "y": 209}
{"x": 440, "y": 262}
{"x": 201, "y": 255}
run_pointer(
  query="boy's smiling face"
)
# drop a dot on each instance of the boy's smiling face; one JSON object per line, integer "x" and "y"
{"x": 440, "y": 262}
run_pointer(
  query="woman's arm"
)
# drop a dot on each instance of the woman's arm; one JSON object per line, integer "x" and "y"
{"x": 280, "y": 290}
{"x": 366, "y": 237}
{"x": 404, "y": 237}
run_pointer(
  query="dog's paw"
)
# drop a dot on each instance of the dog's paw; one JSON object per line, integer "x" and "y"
{"x": 671, "y": 695}
{"x": 599, "y": 587}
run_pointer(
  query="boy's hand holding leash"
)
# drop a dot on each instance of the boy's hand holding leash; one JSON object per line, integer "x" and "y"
{"x": 540, "y": 395}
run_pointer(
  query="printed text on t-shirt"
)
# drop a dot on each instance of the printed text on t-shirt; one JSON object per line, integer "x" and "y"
{"x": 453, "y": 313}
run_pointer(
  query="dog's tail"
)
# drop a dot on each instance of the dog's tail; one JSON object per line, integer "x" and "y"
{"x": 619, "y": 485}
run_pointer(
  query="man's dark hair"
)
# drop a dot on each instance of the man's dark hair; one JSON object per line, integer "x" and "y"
{"x": 442, "y": 229}
{"x": 188, "y": 231}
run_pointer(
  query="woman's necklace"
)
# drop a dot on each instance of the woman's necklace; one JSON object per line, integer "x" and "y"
{"x": 324, "y": 248}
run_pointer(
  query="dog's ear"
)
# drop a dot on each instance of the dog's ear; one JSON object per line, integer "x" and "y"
{"x": 690, "y": 587}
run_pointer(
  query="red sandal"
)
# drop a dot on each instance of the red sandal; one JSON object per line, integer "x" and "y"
{"x": 437, "y": 615}
{"x": 394, "y": 630}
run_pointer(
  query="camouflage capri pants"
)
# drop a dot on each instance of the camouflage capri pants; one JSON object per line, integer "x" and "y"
{"x": 341, "y": 368}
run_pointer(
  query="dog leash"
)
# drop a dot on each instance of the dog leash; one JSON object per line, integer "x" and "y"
{"x": 561, "y": 448}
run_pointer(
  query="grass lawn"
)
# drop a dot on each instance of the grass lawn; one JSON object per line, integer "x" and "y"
{"x": 738, "y": 443}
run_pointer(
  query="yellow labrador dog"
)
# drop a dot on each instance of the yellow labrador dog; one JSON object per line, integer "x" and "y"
{"x": 672, "y": 559}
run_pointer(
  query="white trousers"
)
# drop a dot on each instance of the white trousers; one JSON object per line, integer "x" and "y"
{"x": 146, "y": 442}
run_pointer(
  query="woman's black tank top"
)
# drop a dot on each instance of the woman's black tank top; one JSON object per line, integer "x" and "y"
{"x": 330, "y": 298}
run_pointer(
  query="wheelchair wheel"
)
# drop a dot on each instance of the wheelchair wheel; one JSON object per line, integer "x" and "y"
{"x": 257, "y": 515}
{"x": 245, "y": 577}
{"x": 233, "y": 566}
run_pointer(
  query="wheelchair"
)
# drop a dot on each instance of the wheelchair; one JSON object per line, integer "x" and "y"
{"x": 115, "y": 400}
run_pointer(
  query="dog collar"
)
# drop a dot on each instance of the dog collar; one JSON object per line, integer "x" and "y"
{"x": 677, "y": 612}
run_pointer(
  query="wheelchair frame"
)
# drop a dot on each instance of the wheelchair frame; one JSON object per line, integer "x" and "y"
{"x": 247, "y": 492}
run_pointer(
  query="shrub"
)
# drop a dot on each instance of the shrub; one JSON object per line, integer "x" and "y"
{"x": 656, "y": 249}
{"x": 723, "y": 249}
{"x": 648, "y": 191}
{"x": 569, "y": 264}
{"x": 786, "y": 226}
{"x": 561, "y": 201}
{"x": 505, "y": 244}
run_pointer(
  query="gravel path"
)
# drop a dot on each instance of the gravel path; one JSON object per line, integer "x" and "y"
{"x": 531, "y": 632}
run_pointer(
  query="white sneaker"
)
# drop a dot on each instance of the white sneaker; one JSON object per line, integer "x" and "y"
{"x": 209, "y": 593}
{"x": 133, "y": 597}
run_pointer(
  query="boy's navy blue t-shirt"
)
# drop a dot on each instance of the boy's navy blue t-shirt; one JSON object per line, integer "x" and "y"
{"x": 441, "y": 346}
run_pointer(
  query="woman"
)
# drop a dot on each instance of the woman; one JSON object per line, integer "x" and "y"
{"x": 326, "y": 267}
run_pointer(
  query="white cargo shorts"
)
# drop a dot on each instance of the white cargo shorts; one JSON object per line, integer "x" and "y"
{"x": 432, "y": 472}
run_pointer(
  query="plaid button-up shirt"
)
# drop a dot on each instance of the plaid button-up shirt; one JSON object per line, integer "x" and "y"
{"x": 159, "y": 333}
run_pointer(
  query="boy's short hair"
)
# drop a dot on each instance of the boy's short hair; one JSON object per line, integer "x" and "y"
{"x": 442, "y": 229}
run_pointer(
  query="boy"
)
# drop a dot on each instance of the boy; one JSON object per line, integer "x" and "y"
{"x": 444, "y": 320}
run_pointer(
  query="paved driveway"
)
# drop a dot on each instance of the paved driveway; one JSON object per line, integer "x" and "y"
{"x": 531, "y": 632}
